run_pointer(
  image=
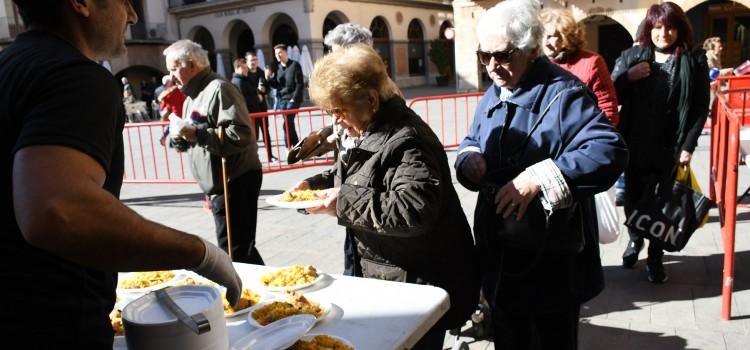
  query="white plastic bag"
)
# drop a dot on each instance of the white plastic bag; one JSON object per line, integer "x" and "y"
{"x": 606, "y": 215}
{"x": 175, "y": 125}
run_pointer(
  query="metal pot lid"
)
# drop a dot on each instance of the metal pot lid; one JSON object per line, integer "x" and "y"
{"x": 146, "y": 310}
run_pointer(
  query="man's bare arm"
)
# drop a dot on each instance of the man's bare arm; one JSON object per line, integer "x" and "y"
{"x": 61, "y": 207}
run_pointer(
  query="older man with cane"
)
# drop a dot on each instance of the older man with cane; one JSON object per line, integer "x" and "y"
{"x": 221, "y": 144}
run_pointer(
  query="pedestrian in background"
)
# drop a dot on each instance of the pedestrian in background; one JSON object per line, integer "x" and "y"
{"x": 163, "y": 87}
{"x": 564, "y": 44}
{"x": 346, "y": 34}
{"x": 127, "y": 91}
{"x": 66, "y": 234}
{"x": 258, "y": 79}
{"x": 290, "y": 84}
{"x": 662, "y": 84}
{"x": 171, "y": 101}
{"x": 537, "y": 151}
{"x": 212, "y": 102}
{"x": 714, "y": 48}
{"x": 147, "y": 95}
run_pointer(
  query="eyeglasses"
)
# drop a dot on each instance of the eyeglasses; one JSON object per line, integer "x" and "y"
{"x": 501, "y": 57}
{"x": 336, "y": 112}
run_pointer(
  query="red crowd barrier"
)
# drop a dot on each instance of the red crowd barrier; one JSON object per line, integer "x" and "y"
{"x": 148, "y": 161}
{"x": 272, "y": 124}
{"x": 454, "y": 118}
{"x": 728, "y": 113}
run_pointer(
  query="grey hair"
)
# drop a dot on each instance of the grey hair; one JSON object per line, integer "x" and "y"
{"x": 515, "y": 21}
{"x": 186, "y": 51}
{"x": 346, "y": 34}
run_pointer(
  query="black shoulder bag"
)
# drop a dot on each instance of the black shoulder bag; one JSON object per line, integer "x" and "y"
{"x": 560, "y": 231}
{"x": 669, "y": 215}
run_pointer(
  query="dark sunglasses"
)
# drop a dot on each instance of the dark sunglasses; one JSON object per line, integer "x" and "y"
{"x": 501, "y": 57}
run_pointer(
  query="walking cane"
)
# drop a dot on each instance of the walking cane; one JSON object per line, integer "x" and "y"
{"x": 226, "y": 194}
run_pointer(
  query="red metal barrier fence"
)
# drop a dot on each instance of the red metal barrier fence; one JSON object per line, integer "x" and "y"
{"x": 449, "y": 116}
{"x": 149, "y": 161}
{"x": 728, "y": 115}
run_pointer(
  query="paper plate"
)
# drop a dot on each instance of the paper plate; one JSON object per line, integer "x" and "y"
{"x": 178, "y": 275}
{"x": 263, "y": 297}
{"x": 296, "y": 286}
{"x": 254, "y": 323}
{"x": 308, "y": 337}
{"x": 204, "y": 281}
{"x": 276, "y": 201}
{"x": 278, "y": 335}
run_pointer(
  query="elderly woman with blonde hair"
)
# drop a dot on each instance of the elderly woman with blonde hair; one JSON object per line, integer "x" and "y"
{"x": 393, "y": 190}
{"x": 564, "y": 44}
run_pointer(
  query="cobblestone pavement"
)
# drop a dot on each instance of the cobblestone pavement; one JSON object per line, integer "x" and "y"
{"x": 631, "y": 313}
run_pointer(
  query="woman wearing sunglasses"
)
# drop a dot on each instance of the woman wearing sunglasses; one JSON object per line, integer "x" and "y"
{"x": 662, "y": 84}
{"x": 537, "y": 151}
{"x": 392, "y": 189}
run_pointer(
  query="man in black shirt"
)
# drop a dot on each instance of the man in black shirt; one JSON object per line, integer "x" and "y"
{"x": 290, "y": 83}
{"x": 67, "y": 234}
{"x": 250, "y": 84}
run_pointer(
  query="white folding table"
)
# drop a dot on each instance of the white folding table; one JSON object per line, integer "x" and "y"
{"x": 371, "y": 314}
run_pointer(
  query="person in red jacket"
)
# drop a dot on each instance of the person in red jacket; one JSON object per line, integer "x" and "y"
{"x": 170, "y": 102}
{"x": 564, "y": 41}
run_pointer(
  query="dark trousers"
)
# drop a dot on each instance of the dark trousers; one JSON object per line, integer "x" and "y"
{"x": 290, "y": 131}
{"x": 655, "y": 251}
{"x": 518, "y": 329}
{"x": 636, "y": 187}
{"x": 534, "y": 301}
{"x": 261, "y": 124}
{"x": 351, "y": 257}
{"x": 243, "y": 206}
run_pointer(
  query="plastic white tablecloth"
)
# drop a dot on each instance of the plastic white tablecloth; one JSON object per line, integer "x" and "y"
{"x": 371, "y": 314}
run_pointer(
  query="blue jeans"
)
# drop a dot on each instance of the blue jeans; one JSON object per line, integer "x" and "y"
{"x": 290, "y": 131}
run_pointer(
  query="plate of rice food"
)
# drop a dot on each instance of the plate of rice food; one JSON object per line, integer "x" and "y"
{"x": 292, "y": 277}
{"x": 300, "y": 199}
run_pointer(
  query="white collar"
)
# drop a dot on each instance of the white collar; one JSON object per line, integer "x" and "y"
{"x": 505, "y": 94}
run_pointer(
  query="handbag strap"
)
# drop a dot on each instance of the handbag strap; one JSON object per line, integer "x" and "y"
{"x": 539, "y": 120}
{"x": 523, "y": 144}
{"x": 519, "y": 150}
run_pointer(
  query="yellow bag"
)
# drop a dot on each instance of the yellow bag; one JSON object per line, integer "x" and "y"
{"x": 681, "y": 176}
